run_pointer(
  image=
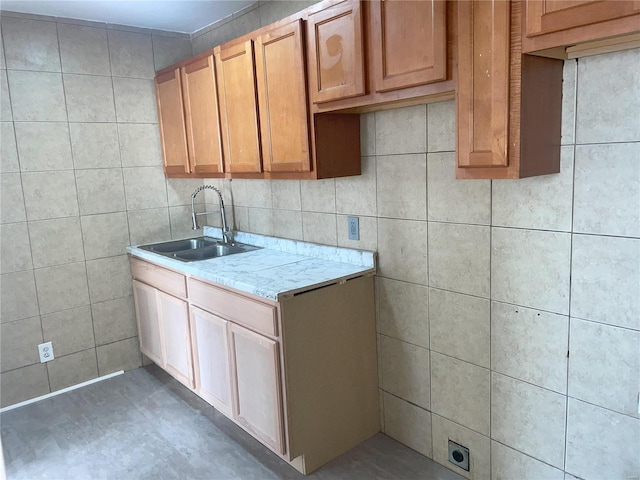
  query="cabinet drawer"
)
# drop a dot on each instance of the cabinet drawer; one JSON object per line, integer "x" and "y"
{"x": 244, "y": 311}
{"x": 161, "y": 278}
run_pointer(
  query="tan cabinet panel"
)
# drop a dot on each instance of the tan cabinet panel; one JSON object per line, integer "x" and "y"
{"x": 172, "y": 125}
{"x": 174, "y": 322}
{"x": 149, "y": 333}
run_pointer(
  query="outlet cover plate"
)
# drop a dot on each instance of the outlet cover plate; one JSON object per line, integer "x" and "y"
{"x": 46, "y": 352}
{"x": 353, "y": 227}
{"x": 459, "y": 455}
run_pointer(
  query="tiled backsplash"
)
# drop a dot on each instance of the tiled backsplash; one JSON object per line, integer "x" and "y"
{"x": 81, "y": 179}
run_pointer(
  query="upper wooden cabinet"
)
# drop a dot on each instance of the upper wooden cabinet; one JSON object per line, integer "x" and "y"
{"x": 239, "y": 108}
{"x": 508, "y": 104}
{"x": 409, "y": 43}
{"x": 336, "y": 54}
{"x": 282, "y": 98}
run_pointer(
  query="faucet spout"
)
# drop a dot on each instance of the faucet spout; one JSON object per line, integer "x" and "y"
{"x": 227, "y": 234}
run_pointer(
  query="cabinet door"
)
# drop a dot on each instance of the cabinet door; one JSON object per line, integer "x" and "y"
{"x": 335, "y": 49}
{"x": 547, "y": 16}
{"x": 282, "y": 95}
{"x": 409, "y": 43}
{"x": 149, "y": 334}
{"x": 174, "y": 324}
{"x": 483, "y": 83}
{"x": 238, "y": 108}
{"x": 202, "y": 116}
{"x": 258, "y": 405}
{"x": 211, "y": 359}
{"x": 172, "y": 126}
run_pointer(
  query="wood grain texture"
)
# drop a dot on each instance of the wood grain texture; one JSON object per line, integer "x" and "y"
{"x": 161, "y": 278}
{"x": 173, "y": 134}
{"x": 173, "y": 316}
{"x": 282, "y": 96}
{"x": 148, "y": 323}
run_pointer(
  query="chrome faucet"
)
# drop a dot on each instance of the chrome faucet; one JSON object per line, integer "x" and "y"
{"x": 227, "y": 234}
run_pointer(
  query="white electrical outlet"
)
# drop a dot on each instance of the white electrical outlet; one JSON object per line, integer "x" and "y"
{"x": 46, "y": 352}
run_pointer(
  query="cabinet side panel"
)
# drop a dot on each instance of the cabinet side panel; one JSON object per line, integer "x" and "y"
{"x": 330, "y": 370}
{"x": 337, "y": 144}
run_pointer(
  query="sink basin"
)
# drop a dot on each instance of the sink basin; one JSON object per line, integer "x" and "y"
{"x": 201, "y": 248}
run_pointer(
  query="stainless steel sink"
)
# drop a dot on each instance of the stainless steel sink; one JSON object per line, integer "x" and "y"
{"x": 201, "y": 248}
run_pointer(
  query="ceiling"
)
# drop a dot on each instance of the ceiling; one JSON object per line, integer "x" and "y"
{"x": 185, "y": 16}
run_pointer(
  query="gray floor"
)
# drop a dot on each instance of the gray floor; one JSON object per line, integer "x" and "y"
{"x": 144, "y": 424}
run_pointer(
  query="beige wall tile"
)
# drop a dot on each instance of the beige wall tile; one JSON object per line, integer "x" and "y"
{"x": 409, "y": 201}
{"x": 403, "y": 311}
{"x": 368, "y": 134}
{"x": 179, "y": 191}
{"x": 459, "y": 258}
{"x": 569, "y": 82}
{"x": 530, "y": 345}
{"x": 543, "y": 203}
{"x": 109, "y": 278}
{"x": 147, "y": 226}
{"x": 84, "y": 49}
{"x": 597, "y": 292}
{"x": 241, "y": 218}
{"x": 15, "y": 254}
{"x": 318, "y": 228}
{"x": 460, "y": 392}
{"x": 318, "y": 195}
{"x": 101, "y": 190}
{"x": 453, "y": 200}
{"x": 368, "y": 233}
{"x": 8, "y": 148}
{"x": 11, "y": 198}
{"x": 131, "y": 54}
{"x": 408, "y": 424}
{"x": 114, "y": 320}
{"x": 460, "y": 326}
{"x": 612, "y": 117}
{"x": 37, "y": 96}
{"x": 224, "y": 185}
{"x": 508, "y": 464}
{"x": 402, "y": 250}
{"x": 401, "y": 130}
{"x": 145, "y": 187}
{"x": 601, "y": 443}
{"x": 181, "y": 224}
{"x": 607, "y": 189}
{"x": 245, "y": 23}
{"x": 122, "y": 355}
{"x": 19, "y": 343}
{"x": 405, "y": 371}
{"x": 140, "y": 145}
{"x": 271, "y": 12}
{"x": 528, "y": 418}
{"x": 531, "y": 268}
{"x": 72, "y": 369}
{"x": 89, "y": 98}
{"x": 105, "y": 235}
{"x": 62, "y": 287}
{"x": 95, "y": 145}
{"x": 30, "y": 44}
{"x": 22, "y": 384}
{"x": 604, "y": 366}
{"x": 50, "y": 194}
{"x": 201, "y": 43}
{"x": 479, "y": 448}
{"x": 70, "y": 331}
{"x": 261, "y": 220}
{"x": 135, "y": 100}
{"x": 5, "y": 100}
{"x": 441, "y": 126}
{"x": 56, "y": 242}
{"x": 287, "y": 224}
{"x": 169, "y": 50}
{"x": 357, "y": 195}
{"x": 18, "y": 296}
{"x": 285, "y": 194}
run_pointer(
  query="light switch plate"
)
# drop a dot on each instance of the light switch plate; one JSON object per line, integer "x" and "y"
{"x": 353, "y": 226}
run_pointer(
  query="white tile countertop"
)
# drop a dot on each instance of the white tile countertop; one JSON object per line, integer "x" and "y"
{"x": 280, "y": 269}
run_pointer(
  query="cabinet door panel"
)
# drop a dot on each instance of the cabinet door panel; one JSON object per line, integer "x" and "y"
{"x": 149, "y": 334}
{"x": 211, "y": 359}
{"x": 176, "y": 338}
{"x": 483, "y": 83}
{"x": 172, "y": 125}
{"x": 258, "y": 405}
{"x": 336, "y": 60}
{"x": 410, "y": 45}
{"x": 547, "y": 16}
{"x": 239, "y": 108}
{"x": 202, "y": 116}
{"x": 283, "y": 100}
